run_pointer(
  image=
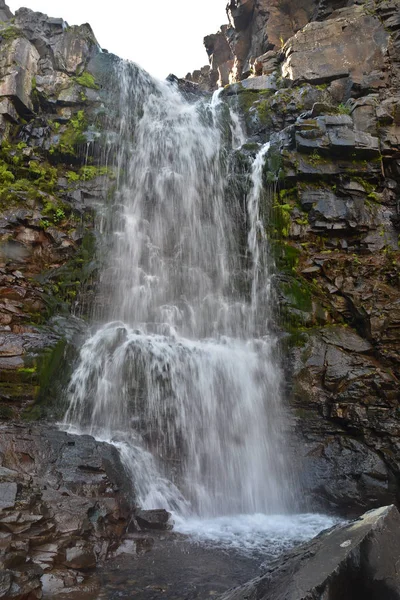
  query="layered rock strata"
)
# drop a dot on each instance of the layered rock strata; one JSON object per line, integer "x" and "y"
{"x": 65, "y": 505}
{"x": 52, "y": 176}
{"x": 330, "y": 110}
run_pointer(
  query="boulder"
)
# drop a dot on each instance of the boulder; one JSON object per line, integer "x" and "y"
{"x": 220, "y": 55}
{"x": 154, "y": 519}
{"x": 80, "y": 557}
{"x": 73, "y": 48}
{"x": 18, "y": 69}
{"x": 262, "y": 82}
{"x": 67, "y": 496}
{"x": 240, "y": 13}
{"x": 335, "y": 134}
{"x": 345, "y": 412}
{"x": 8, "y": 494}
{"x": 355, "y": 560}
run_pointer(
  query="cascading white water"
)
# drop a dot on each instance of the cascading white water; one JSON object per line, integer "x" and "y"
{"x": 183, "y": 375}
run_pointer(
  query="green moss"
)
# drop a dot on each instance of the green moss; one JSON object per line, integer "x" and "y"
{"x": 254, "y": 103}
{"x": 6, "y": 176}
{"x": 286, "y": 256}
{"x": 298, "y": 295}
{"x": 73, "y": 134}
{"x": 344, "y": 109}
{"x": 11, "y": 33}
{"x": 44, "y": 175}
{"x": 32, "y": 413}
{"x": 17, "y": 391}
{"x": 373, "y": 197}
{"x": 251, "y": 147}
{"x": 264, "y": 113}
{"x": 273, "y": 166}
{"x": 51, "y": 373}
{"x": 246, "y": 100}
{"x": 72, "y": 176}
{"x": 89, "y": 172}
{"x": 64, "y": 283}
{"x": 87, "y": 80}
{"x": 55, "y": 211}
{"x": 21, "y": 177}
{"x": 316, "y": 159}
{"x": 6, "y": 412}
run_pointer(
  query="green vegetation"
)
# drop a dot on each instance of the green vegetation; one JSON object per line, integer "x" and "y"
{"x": 87, "y": 80}
{"x": 11, "y": 33}
{"x": 273, "y": 166}
{"x": 63, "y": 284}
{"x": 89, "y": 172}
{"x": 344, "y": 109}
{"x": 22, "y": 178}
{"x": 6, "y": 412}
{"x": 286, "y": 256}
{"x": 73, "y": 134}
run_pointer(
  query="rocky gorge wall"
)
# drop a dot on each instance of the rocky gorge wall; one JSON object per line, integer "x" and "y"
{"x": 52, "y": 178}
{"x": 328, "y": 100}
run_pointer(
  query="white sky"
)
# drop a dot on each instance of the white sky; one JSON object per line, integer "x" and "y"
{"x": 163, "y": 36}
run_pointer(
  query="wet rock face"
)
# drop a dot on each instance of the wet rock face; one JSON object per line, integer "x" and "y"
{"x": 333, "y": 221}
{"x": 52, "y": 176}
{"x": 349, "y": 562}
{"x": 65, "y": 504}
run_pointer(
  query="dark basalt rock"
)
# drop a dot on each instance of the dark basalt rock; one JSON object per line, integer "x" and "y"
{"x": 357, "y": 561}
{"x": 65, "y": 502}
{"x": 154, "y": 519}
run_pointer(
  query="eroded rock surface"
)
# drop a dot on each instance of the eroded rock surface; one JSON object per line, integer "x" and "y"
{"x": 65, "y": 505}
{"x": 51, "y": 178}
{"x": 333, "y": 181}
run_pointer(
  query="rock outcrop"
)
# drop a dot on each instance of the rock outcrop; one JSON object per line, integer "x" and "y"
{"x": 347, "y": 562}
{"x": 258, "y": 33}
{"x": 51, "y": 177}
{"x": 333, "y": 212}
{"x": 65, "y": 504}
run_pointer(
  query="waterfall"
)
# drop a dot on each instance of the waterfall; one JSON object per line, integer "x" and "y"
{"x": 182, "y": 373}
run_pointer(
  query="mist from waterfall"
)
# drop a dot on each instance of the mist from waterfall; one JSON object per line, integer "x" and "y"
{"x": 183, "y": 373}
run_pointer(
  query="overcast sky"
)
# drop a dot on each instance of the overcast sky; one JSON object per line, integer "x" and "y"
{"x": 163, "y": 36}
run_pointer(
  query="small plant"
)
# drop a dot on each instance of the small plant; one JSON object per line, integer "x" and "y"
{"x": 344, "y": 109}
{"x": 72, "y": 176}
{"x": 6, "y": 176}
{"x": 59, "y": 215}
{"x": 87, "y": 80}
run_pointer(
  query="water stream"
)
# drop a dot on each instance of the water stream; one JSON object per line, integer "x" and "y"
{"x": 182, "y": 371}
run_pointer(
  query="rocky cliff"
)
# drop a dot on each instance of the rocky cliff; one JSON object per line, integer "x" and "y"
{"x": 52, "y": 177}
{"x": 328, "y": 98}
